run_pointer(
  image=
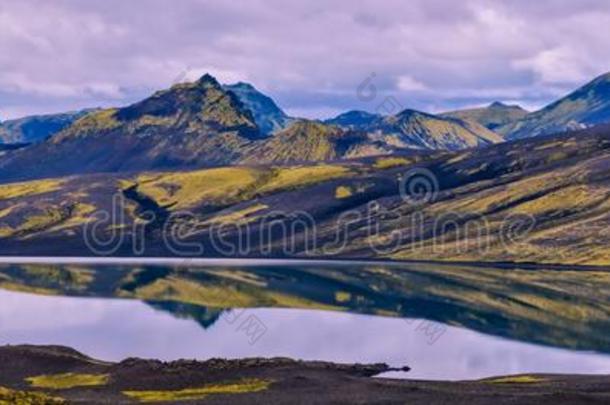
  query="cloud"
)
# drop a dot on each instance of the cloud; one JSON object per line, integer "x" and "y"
{"x": 311, "y": 56}
{"x": 557, "y": 65}
{"x": 408, "y": 83}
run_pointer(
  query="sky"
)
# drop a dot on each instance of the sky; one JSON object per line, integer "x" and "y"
{"x": 316, "y": 58}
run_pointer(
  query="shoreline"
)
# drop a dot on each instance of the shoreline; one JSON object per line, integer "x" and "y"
{"x": 61, "y": 375}
{"x": 255, "y": 261}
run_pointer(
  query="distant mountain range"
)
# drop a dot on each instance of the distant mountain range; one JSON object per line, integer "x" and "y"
{"x": 585, "y": 107}
{"x": 37, "y": 128}
{"x": 412, "y": 129}
{"x": 205, "y": 124}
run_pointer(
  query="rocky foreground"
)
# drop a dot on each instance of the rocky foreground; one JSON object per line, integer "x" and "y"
{"x": 58, "y": 375}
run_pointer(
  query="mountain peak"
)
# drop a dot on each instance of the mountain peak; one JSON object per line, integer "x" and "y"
{"x": 357, "y": 113}
{"x": 497, "y": 104}
{"x": 408, "y": 113}
{"x": 354, "y": 119}
{"x": 208, "y": 79}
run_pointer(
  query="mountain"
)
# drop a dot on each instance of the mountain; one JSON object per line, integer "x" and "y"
{"x": 268, "y": 116}
{"x": 189, "y": 125}
{"x": 493, "y": 116}
{"x": 355, "y": 119}
{"x": 415, "y": 129}
{"x": 37, "y": 128}
{"x": 411, "y": 129}
{"x": 313, "y": 141}
{"x": 585, "y": 107}
{"x": 541, "y": 200}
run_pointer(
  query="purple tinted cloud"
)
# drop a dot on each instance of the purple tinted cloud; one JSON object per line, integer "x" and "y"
{"x": 309, "y": 55}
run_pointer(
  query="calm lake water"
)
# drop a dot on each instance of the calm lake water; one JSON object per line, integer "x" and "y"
{"x": 445, "y": 322}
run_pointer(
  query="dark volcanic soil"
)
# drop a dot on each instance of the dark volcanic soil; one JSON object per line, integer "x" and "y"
{"x": 286, "y": 382}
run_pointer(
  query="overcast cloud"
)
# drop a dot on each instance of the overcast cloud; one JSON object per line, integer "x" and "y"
{"x": 310, "y": 56}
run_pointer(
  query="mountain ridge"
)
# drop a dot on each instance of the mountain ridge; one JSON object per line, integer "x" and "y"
{"x": 586, "y": 106}
{"x": 429, "y": 131}
{"x": 205, "y": 124}
{"x": 493, "y": 116}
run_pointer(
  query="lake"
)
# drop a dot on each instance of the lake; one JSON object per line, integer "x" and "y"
{"x": 444, "y": 321}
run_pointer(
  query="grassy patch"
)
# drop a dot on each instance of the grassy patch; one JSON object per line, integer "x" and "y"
{"x": 343, "y": 192}
{"x": 387, "y": 163}
{"x": 295, "y": 177}
{"x": 230, "y": 185}
{"x": 517, "y": 379}
{"x": 342, "y": 296}
{"x": 9, "y": 396}
{"x": 239, "y": 217}
{"x": 94, "y": 122}
{"x": 38, "y": 222}
{"x": 239, "y": 387}
{"x": 81, "y": 214}
{"x": 569, "y": 198}
{"x": 6, "y": 231}
{"x": 7, "y": 211}
{"x": 30, "y": 188}
{"x": 186, "y": 189}
{"x": 67, "y": 380}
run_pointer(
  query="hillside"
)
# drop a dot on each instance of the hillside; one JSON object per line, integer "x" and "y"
{"x": 10, "y": 147}
{"x": 585, "y": 107}
{"x": 491, "y": 117}
{"x": 558, "y": 185}
{"x": 311, "y": 141}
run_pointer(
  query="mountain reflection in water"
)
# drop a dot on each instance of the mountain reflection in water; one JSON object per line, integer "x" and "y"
{"x": 554, "y": 307}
